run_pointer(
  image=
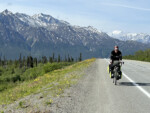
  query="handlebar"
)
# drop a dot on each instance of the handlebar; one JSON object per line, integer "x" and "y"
{"x": 118, "y": 62}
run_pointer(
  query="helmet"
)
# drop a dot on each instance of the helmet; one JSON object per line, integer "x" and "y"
{"x": 116, "y": 47}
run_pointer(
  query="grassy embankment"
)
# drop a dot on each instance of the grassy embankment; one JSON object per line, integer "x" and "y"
{"x": 54, "y": 77}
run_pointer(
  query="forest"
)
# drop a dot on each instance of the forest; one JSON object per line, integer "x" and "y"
{"x": 140, "y": 55}
{"x": 14, "y": 72}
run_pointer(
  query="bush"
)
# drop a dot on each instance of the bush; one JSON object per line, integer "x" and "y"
{"x": 51, "y": 67}
{"x": 32, "y": 73}
{"x": 16, "y": 78}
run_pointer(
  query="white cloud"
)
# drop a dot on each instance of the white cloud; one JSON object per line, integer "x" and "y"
{"x": 116, "y": 32}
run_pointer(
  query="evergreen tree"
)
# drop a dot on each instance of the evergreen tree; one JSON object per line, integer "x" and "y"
{"x": 44, "y": 59}
{"x": 58, "y": 58}
{"x": 10, "y": 62}
{"x": 16, "y": 63}
{"x": 31, "y": 59}
{"x": 35, "y": 61}
{"x": 80, "y": 57}
{"x": 53, "y": 56}
{"x": 76, "y": 59}
{"x": 0, "y": 61}
{"x": 20, "y": 61}
{"x": 65, "y": 59}
{"x": 51, "y": 60}
{"x": 72, "y": 60}
{"x": 30, "y": 62}
{"x": 39, "y": 61}
{"x": 24, "y": 63}
{"x": 69, "y": 60}
{"x": 5, "y": 62}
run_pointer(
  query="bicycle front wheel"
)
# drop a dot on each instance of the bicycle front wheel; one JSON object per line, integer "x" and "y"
{"x": 115, "y": 78}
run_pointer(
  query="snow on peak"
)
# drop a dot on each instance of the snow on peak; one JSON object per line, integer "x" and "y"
{"x": 6, "y": 12}
{"x": 42, "y": 16}
{"x": 132, "y": 34}
{"x": 139, "y": 37}
{"x": 90, "y": 28}
{"x": 44, "y": 20}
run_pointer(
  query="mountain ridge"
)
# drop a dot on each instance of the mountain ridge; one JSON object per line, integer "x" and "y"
{"x": 139, "y": 37}
{"x": 41, "y": 35}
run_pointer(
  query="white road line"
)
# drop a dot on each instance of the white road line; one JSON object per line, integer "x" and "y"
{"x": 139, "y": 87}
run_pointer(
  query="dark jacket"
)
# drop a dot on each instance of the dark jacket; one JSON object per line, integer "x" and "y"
{"x": 116, "y": 56}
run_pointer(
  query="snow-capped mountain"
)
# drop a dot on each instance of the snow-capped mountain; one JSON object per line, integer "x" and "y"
{"x": 6, "y": 12}
{"x": 139, "y": 37}
{"x": 41, "y": 20}
{"x": 43, "y": 34}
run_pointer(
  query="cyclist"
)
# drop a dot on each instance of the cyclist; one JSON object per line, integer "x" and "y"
{"x": 116, "y": 55}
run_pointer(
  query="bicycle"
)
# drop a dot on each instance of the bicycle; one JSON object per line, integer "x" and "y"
{"x": 116, "y": 72}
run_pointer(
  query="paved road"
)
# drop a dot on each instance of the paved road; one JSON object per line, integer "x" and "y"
{"x": 95, "y": 92}
{"x": 127, "y": 97}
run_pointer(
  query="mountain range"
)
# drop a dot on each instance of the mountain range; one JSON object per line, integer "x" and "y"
{"x": 41, "y": 35}
{"x": 139, "y": 37}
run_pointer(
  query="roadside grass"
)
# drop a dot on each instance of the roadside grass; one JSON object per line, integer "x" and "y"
{"x": 49, "y": 102}
{"x": 21, "y": 104}
{"x": 55, "y": 81}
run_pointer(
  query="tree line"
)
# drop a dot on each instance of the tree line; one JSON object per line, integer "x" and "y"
{"x": 30, "y": 62}
{"x": 139, "y": 55}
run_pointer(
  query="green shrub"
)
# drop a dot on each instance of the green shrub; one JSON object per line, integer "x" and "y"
{"x": 54, "y": 66}
{"x": 16, "y": 78}
{"x": 50, "y": 67}
{"x": 32, "y": 73}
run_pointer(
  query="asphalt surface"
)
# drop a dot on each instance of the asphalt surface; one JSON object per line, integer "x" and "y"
{"x": 102, "y": 96}
{"x": 133, "y": 89}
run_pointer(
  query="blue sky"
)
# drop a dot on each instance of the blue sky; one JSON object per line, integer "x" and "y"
{"x": 105, "y": 15}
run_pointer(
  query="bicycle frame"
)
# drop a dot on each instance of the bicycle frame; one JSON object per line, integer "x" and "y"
{"x": 116, "y": 75}
{"x": 116, "y": 68}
